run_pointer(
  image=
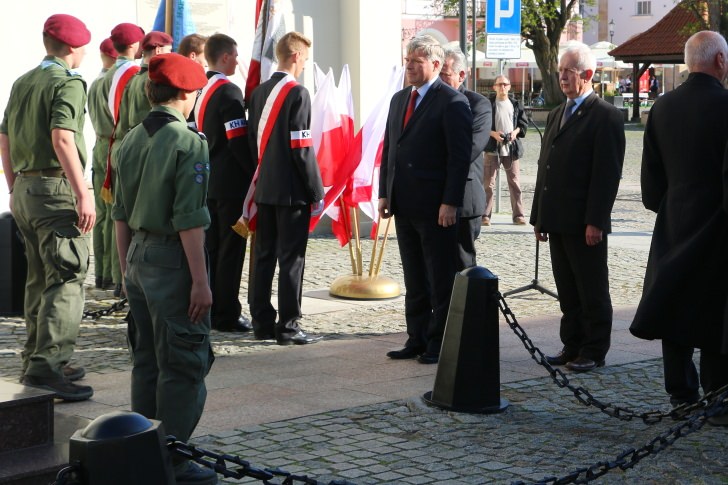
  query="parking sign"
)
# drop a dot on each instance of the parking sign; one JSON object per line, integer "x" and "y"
{"x": 503, "y": 17}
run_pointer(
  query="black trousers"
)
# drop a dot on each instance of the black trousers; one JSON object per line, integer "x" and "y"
{"x": 429, "y": 254}
{"x": 227, "y": 254}
{"x": 468, "y": 232}
{"x": 582, "y": 281}
{"x": 281, "y": 237}
{"x": 681, "y": 377}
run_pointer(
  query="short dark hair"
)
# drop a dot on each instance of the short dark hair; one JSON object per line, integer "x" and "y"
{"x": 217, "y": 45}
{"x": 191, "y": 43}
{"x": 160, "y": 93}
{"x": 53, "y": 45}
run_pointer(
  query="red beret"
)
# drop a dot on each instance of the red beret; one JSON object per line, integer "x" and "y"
{"x": 177, "y": 71}
{"x": 156, "y": 39}
{"x": 67, "y": 29}
{"x": 126, "y": 34}
{"x": 107, "y": 47}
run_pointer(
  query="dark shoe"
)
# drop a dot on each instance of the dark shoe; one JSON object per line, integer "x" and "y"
{"x": 189, "y": 473}
{"x": 63, "y": 389}
{"x": 108, "y": 283}
{"x": 118, "y": 290}
{"x": 560, "y": 359}
{"x": 405, "y": 353}
{"x": 428, "y": 358}
{"x": 99, "y": 282}
{"x": 241, "y": 325}
{"x": 73, "y": 373}
{"x": 719, "y": 420}
{"x": 263, "y": 332}
{"x": 298, "y": 338}
{"x": 582, "y": 364}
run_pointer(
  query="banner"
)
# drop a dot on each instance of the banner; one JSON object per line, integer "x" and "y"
{"x": 182, "y": 23}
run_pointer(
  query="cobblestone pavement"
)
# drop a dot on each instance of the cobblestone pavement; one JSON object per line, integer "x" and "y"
{"x": 544, "y": 432}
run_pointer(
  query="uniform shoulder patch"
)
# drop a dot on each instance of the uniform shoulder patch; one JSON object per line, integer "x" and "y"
{"x": 199, "y": 133}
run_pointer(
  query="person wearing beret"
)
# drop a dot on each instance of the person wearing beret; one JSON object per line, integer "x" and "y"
{"x": 160, "y": 214}
{"x": 43, "y": 157}
{"x": 103, "y": 126}
{"x": 219, "y": 113}
{"x": 126, "y": 39}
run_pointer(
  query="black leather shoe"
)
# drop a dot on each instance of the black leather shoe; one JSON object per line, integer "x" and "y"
{"x": 428, "y": 358}
{"x": 241, "y": 325}
{"x": 62, "y": 388}
{"x": 560, "y": 359}
{"x": 405, "y": 353}
{"x": 582, "y": 364}
{"x": 262, "y": 331}
{"x": 99, "y": 282}
{"x": 298, "y": 338}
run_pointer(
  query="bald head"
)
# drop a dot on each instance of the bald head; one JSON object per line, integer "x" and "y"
{"x": 707, "y": 52}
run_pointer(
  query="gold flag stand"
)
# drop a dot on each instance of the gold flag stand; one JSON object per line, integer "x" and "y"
{"x": 358, "y": 286}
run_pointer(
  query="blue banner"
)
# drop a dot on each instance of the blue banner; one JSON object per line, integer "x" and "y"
{"x": 182, "y": 23}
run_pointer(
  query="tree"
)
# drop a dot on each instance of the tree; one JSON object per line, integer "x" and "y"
{"x": 709, "y": 15}
{"x": 542, "y": 23}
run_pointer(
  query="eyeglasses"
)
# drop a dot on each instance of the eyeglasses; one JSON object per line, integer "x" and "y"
{"x": 501, "y": 84}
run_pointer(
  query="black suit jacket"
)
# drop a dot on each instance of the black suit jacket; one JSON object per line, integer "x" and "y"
{"x": 287, "y": 176}
{"x": 474, "y": 198}
{"x": 579, "y": 169}
{"x": 683, "y": 170}
{"x": 426, "y": 163}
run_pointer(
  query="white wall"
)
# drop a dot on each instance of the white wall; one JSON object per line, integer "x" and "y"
{"x": 626, "y": 21}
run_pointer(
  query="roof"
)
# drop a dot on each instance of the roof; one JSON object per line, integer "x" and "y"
{"x": 663, "y": 42}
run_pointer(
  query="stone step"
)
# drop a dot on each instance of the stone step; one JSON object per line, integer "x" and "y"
{"x": 26, "y": 417}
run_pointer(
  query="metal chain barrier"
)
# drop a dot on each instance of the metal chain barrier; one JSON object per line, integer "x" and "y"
{"x": 585, "y": 397}
{"x": 242, "y": 468}
{"x": 116, "y": 307}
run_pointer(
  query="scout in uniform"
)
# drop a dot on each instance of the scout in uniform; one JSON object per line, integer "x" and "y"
{"x": 193, "y": 46}
{"x": 126, "y": 38}
{"x": 160, "y": 215}
{"x": 286, "y": 184}
{"x": 43, "y": 155}
{"x": 103, "y": 126}
{"x": 220, "y": 115}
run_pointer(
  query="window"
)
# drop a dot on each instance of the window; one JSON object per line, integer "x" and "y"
{"x": 644, "y": 7}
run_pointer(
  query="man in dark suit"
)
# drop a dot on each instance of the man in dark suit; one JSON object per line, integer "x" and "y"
{"x": 578, "y": 176}
{"x": 453, "y": 73}
{"x": 220, "y": 115}
{"x": 286, "y": 184}
{"x": 425, "y": 163}
{"x": 686, "y": 282}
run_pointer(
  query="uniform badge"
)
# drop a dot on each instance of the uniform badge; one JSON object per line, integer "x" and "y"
{"x": 199, "y": 178}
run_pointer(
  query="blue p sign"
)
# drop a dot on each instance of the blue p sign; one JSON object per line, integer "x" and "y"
{"x": 503, "y": 17}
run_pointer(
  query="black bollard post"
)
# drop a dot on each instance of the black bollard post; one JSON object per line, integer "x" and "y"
{"x": 468, "y": 374}
{"x": 122, "y": 448}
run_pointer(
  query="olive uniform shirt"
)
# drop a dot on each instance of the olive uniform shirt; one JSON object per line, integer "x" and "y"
{"x": 47, "y": 97}
{"x": 168, "y": 195}
{"x": 98, "y": 111}
{"x": 135, "y": 105}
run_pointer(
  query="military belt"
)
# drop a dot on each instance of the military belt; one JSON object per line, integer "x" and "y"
{"x": 150, "y": 236}
{"x": 44, "y": 172}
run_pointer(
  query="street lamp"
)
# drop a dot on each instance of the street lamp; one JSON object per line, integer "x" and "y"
{"x": 611, "y": 31}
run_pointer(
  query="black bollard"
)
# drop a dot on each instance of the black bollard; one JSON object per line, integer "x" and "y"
{"x": 122, "y": 448}
{"x": 468, "y": 374}
{"x": 13, "y": 267}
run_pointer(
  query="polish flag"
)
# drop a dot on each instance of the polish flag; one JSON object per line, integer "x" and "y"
{"x": 364, "y": 185}
{"x": 337, "y": 150}
{"x": 269, "y": 27}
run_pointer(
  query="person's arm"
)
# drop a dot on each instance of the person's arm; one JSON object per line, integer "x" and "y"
{"x": 64, "y": 145}
{"x": 7, "y": 165}
{"x": 123, "y": 240}
{"x": 193, "y": 241}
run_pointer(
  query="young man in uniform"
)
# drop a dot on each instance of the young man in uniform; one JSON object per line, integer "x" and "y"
{"x": 286, "y": 184}
{"x": 220, "y": 115}
{"x": 43, "y": 155}
{"x": 160, "y": 216}
{"x": 103, "y": 126}
{"x": 193, "y": 46}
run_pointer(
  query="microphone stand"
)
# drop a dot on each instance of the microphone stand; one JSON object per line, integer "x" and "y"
{"x": 535, "y": 284}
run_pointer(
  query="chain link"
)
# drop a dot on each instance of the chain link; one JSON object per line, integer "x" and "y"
{"x": 242, "y": 468}
{"x": 585, "y": 397}
{"x": 116, "y": 307}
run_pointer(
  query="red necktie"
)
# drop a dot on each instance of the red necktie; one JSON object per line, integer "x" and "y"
{"x": 410, "y": 106}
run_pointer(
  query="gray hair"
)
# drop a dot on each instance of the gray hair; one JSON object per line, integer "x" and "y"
{"x": 458, "y": 59}
{"x": 585, "y": 59}
{"x": 701, "y": 49}
{"x": 427, "y": 45}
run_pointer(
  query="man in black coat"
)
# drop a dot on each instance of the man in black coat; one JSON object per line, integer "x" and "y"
{"x": 425, "y": 164}
{"x": 453, "y": 73}
{"x": 288, "y": 184}
{"x": 220, "y": 115}
{"x": 578, "y": 176}
{"x": 686, "y": 282}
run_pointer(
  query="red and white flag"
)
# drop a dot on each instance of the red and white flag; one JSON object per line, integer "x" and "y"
{"x": 269, "y": 27}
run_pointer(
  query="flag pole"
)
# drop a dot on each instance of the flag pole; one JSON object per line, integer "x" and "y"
{"x": 374, "y": 249}
{"x": 169, "y": 16}
{"x": 384, "y": 243}
{"x": 360, "y": 264}
{"x": 346, "y": 226}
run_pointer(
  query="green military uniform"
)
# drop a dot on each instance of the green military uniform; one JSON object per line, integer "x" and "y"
{"x": 105, "y": 89}
{"x": 48, "y": 97}
{"x": 135, "y": 105}
{"x": 103, "y": 125}
{"x": 160, "y": 189}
